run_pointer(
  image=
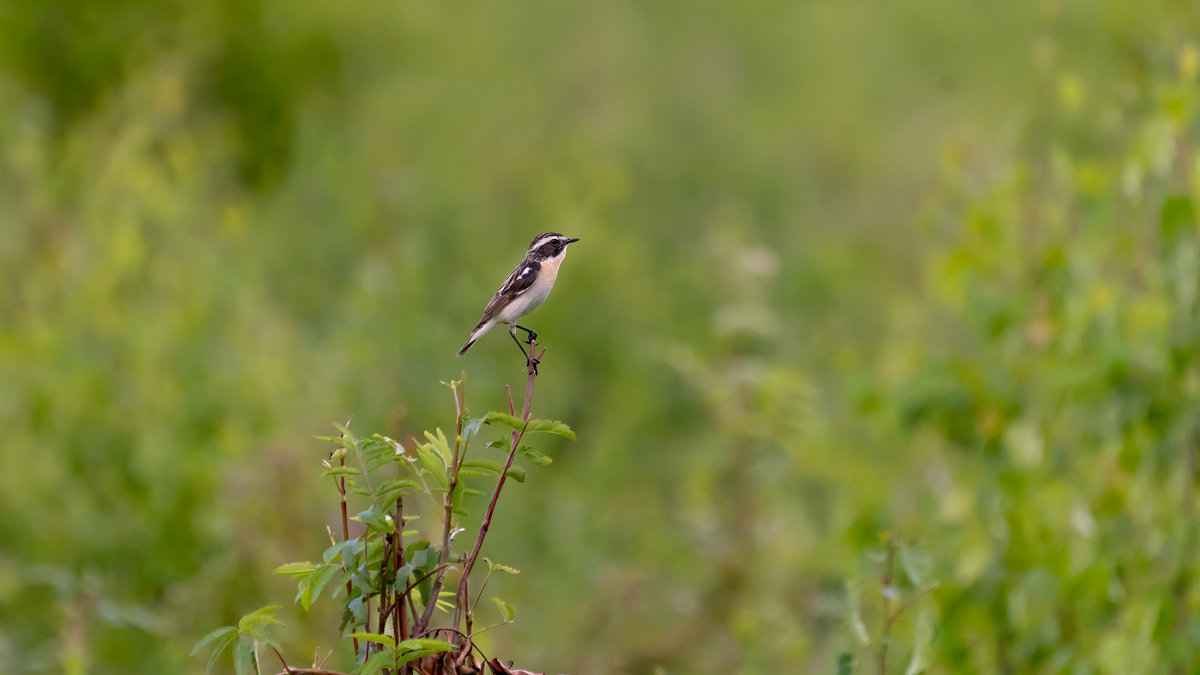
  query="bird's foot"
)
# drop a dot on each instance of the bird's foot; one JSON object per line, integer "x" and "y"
{"x": 530, "y": 335}
{"x": 532, "y": 363}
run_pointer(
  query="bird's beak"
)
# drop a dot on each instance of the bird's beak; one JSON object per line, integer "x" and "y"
{"x": 572, "y": 240}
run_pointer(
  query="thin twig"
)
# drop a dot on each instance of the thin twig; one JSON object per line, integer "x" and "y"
{"x": 487, "y": 516}
{"x": 479, "y": 595}
{"x": 367, "y": 608}
{"x": 282, "y": 661}
{"x": 385, "y": 604}
{"x": 400, "y": 618}
{"x": 455, "y": 631}
{"x": 889, "y": 617}
{"x": 447, "y": 520}
{"x": 346, "y": 522}
{"x": 409, "y": 588}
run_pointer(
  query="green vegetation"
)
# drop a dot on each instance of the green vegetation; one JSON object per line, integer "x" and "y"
{"x": 392, "y": 578}
{"x": 882, "y": 342}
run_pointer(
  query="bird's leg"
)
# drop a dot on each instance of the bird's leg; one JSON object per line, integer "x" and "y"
{"x": 530, "y": 336}
{"x": 530, "y": 361}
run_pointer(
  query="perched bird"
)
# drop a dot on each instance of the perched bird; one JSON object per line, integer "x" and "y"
{"x": 524, "y": 290}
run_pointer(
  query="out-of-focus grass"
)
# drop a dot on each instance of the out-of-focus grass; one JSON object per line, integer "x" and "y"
{"x": 227, "y": 224}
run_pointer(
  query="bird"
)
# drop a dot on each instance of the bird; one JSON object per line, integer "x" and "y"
{"x": 526, "y": 288}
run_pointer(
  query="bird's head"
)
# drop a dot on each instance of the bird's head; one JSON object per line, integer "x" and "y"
{"x": 550, "y": 246}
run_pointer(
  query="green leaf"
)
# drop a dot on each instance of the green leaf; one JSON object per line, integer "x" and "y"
{"x": 418, "y": 552}
{"x": 396, "y": 485}
{"x": 506, "y": 610}
{"x": 845, "y": 664}
{"x": 320, "y": 579}
{"x": 439, "y": 442}
{"x": 485, "y": 466}
{"x": 917, "y": 565}
{"x": 211, "y": 637}
{"x": 374, "y": 518}
{"x": 551, "y": 427}
{"x": 332, "y": 552}
{"x": 219, "y": 646}
{"x": 340, "y": 471}
{"x": 504, "y": 418}
{"x": 255, "y": 625}
{"x": 381, "y": 450}
{"x": 854, "y": 615}
{"x": 471, "y": 428}
{"x": 428, "y": 645}
{"x": 296, "y": 569}
{"x": 346, "y": 443}
{"x": 534, "y": 425}
{"x": 376, "y": 637}
{"x": 311, "y": 589}
{"x": 443, "y": 602}
{"x": 402, "y": 576}
{"x": 534, "y": 456}
{"x": 377, "y": 662}
{"x": 347, "y": 436}
{"x": 354, "y": 614}
{"x": 402, "y": 653}
{"x": 495, "y": 566}
{"x": 1178, "y": 215}
{"x": 243, "y": 655}
{"x": 434, "y": 464}
{"x": 259, "y": 619}
{"x": 517, "y": 473}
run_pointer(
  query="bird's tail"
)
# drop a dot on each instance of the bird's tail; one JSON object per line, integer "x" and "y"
{"x": 467, "y": 346}
{"x": 481, "y": 328}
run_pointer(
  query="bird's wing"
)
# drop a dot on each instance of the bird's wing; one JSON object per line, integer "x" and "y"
{"x": 517, "y": 283}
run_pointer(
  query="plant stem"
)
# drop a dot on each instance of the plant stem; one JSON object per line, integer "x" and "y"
{"x": 889, "y": 617}
{"x": 463, "y": 597}
{"x": 400, "y": 618}
{"x": 384, "y": 594}
{"x": 447, "y": 520}
{"x": 346, "y": 524}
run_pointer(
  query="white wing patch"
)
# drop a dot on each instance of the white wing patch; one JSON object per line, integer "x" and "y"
{"x": 525, "y": 272}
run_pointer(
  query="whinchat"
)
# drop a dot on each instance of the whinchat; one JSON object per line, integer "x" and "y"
{"x": 523, "y": 290}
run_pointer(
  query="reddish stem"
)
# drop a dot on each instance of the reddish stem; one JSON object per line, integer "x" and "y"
{"x": 463, "y": 597}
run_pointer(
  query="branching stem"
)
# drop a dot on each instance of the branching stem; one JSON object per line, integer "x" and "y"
{"x": 889, "y": 616}
{"x": 345, "y": 523}
{"x": 469, "y": 564}
{"x": 447, "y": 517}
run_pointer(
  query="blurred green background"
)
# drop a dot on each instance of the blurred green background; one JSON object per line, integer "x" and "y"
{"x": 853, "y": 275}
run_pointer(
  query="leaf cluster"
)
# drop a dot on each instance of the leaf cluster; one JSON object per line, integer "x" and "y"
{"x": 389, "y": 578}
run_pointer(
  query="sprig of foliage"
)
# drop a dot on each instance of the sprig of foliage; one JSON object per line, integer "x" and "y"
{"x": 393, "y": 574}
{"x": 244, "y": 640}
{"x": 901, "y": 577}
